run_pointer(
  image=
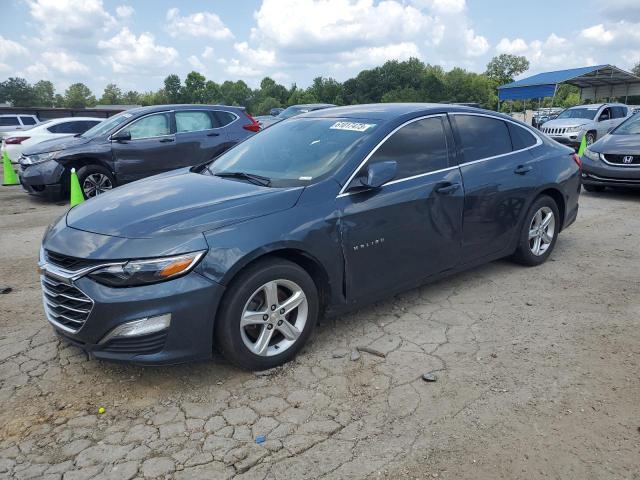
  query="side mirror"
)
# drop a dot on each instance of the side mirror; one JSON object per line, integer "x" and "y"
{"x": 121, "y": 136}
{"x": 377, "y": 174}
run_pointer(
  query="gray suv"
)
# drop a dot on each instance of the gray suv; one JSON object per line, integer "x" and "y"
{"x": 593, "y": 121}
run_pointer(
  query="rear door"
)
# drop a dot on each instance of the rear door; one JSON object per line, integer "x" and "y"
{"x": 151, "y": 150}
{"x": 499, "y": 176}
{"x": 411, "y": 227}
{"x": 199, "y": 136}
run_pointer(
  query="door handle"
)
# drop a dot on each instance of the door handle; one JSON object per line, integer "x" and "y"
{"x": 212, "y": 134}
{"x": 522, "y": 169}
{"x": 447, "y": 188}
{"x": 165, "y": 140}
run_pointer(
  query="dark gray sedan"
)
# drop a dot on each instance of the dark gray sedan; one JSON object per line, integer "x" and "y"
{"x": 614, "y": 160}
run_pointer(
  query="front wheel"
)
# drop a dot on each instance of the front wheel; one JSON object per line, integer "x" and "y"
{"x": 539, "y": 232}
{"x": 266, "y": 315}
{"x": 95, "y": 180}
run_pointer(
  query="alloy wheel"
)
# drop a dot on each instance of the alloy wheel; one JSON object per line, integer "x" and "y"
{"x": 274, "y": 317}
{"x": 95, "y": 184}
{"x": 541, "y": 231}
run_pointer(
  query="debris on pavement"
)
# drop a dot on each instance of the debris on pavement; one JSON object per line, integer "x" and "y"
{"x": 355, "y": 355}
{"x": 260, "y": 439}
{"x": 340, "y": 353}
{"x": 372, "y": 351}
{"x": 429, "y": 377}
{"x": 6, "y": 289}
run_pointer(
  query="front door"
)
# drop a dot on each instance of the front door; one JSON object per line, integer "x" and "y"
{"x": 410, "y": 228}
{"x": 198, "y": 136}
{"x": 151, "y": 150}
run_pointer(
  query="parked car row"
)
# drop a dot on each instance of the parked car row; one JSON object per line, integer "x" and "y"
{"x": 132, "y": 145}
{"x": 12, "y": 122}
{"x": 329, "y": 210}
{"x": 292, "y": 111}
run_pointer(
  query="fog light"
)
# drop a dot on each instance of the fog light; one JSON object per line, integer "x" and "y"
{"x": 137, "y": 328}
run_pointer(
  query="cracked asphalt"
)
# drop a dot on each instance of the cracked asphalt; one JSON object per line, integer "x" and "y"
{"x": 537, "y": 378}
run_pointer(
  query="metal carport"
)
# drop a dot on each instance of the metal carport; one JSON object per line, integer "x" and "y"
{"x": 598, "y": 81}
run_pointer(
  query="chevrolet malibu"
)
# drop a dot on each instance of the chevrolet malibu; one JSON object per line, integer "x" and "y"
{"x": 316, "y": 215}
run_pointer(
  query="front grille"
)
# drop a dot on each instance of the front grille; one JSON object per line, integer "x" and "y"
{"x": 146, "y": 344}
{"x": 622, "y": 159}
{"x": 554, "y": 131}
{"x": 70, "y": 263}
{"x": 64, "y": 304}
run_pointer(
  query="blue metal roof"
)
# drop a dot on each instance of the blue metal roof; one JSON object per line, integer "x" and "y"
{"x": 544, "y": 84}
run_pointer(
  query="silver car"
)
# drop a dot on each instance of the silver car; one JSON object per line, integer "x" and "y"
{"x": 593, "y": 121}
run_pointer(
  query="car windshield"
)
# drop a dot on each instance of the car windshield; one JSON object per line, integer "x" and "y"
{"x": 296, "y": 152}
{"x": 630, "y": 127}
{"x": 588, "y": 113}
{"x": 292, "y": 112}
{"x": 106, "y": 125}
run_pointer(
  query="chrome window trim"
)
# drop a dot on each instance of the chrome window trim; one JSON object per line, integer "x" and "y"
{"x": 140, "y": 118}
{"x": 342, "y": 191}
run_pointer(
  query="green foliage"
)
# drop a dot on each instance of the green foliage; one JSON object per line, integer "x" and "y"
{"x": 406, "y": 94}
{"x": 44, "y": 94}
{"x": 194, "y": 88}
{"x": 265, "y": 105}
{"x": 503, "y": 68}
{"x": 172, "y": 87}
{"x": 18, "y": 92}
{"x": 326, "y": 90}
{"x": 636, "y": 69}
{"x": 112, "y": 95}
{"x": 78, "y": 95}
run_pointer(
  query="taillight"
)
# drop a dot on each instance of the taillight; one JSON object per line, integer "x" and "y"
{"x": 15, "y": 140}
{"x": 253, "y": 126}
{"x": 578, "y": 160}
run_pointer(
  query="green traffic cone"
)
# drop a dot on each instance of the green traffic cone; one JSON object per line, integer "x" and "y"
{"x": 583, "y": 146}
{"x": 76, "y": 192}
{"x": 10, "y": 177}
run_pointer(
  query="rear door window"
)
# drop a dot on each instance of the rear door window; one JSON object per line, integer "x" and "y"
{"x": 520, "y": 137}
{"x": 28, "y": 120}
{"x": 419, "y": 147}
{"x": 9, "y": 121}
{"x": 224, "y": 118}
{"x": 619, "y": 112}
{"x": 193, "y": 121}
{"x": 482, "y": 137}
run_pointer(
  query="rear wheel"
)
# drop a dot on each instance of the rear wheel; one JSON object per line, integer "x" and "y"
{"x": 593, "y": 188}
{"x": 95, "y": 180}
{"x": 539, "y": 232}
{"x": 266, "y": 315}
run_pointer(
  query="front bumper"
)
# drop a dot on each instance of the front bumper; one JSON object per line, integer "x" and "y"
{"x": 191, "y": 301}
{"x": 571, "y": 139}
{"x": 42, "y": 179}
{"x": 598, "y": 173}
{"x": 599, "y": 181}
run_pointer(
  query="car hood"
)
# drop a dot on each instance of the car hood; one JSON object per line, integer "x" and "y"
{"x": 178, "y": 203}
{"x": 618, "y": 145}
{"x": 55, "y": 144}
{"x": 565, "y": 122}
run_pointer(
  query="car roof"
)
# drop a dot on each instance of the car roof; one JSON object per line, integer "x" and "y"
{"x": 179, "y": 106}
{"x": 18, "y": 115}
{"x": 389, "y": 111}
{"x": 597, "y": 105}
{"x": 313, "y": 105}
{"x": 71, "y": 119}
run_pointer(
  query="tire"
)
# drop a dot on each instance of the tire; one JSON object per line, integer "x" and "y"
{"x": 247, "y": 297}
{"x": 90, "y": 178}
{"x": 593, "y": 188}
{"x": 591, "y": 137}
{"x": 543, "y": 205}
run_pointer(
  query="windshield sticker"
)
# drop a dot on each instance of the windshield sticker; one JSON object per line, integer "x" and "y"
{"x": 127, "y": 115}
{"x": 352, "y": 126}
{"x": 304, "y": 179}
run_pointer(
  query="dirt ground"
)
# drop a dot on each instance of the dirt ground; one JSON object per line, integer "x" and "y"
{"x": 537, "y": 378}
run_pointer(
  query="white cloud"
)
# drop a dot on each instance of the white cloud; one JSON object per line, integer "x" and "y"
{"x": 476, "y": 45}
{"x": 9, "y": 48}
{"x": 196, "y": 63}
{"x": 208, "y": 53}
{"x": 373, "y": 56}
{"x": 63, "y": 63}
{"x": 126, "y": 53}
{"x": 598, "y": 34}
{"x": 201, "y": 24}
{"x": 64, "y": 22}
{"x": 124, "y": 11}
{"x": 34, "y": 72}
{"x": 517, "y": 46}
{"x": 442, "y": 6}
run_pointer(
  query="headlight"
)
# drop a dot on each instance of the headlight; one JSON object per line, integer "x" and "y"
{"x": 145, "y": 272}
{"x": 574, "y": 129}
{"x": 40, "y": 158}
{"x": 591, "y": 155}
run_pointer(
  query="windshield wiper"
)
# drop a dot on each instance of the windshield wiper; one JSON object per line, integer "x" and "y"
{"x": 255, "y": 179}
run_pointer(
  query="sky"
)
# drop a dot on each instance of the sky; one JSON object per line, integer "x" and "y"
{"x": 136, "y": 44}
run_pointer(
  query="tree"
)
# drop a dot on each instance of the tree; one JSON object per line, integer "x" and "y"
{"x": 112, "y": 95}
{"x": 18, "y": 92}
{"x": 194, "y": 88}
{"x": 406, "y": 94}
{"x": 44, "y": 94}
{"x": 131, "y": 98}
{"x": 636, "y": 69}
{"x": 326, "y": 90}
{"x": 236, "y": 93}
{"x": 212, "y": 92}
{"x": 503, "y": 68}
{"x": 78, "y": 95}
{"x": 172, "y": 88}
